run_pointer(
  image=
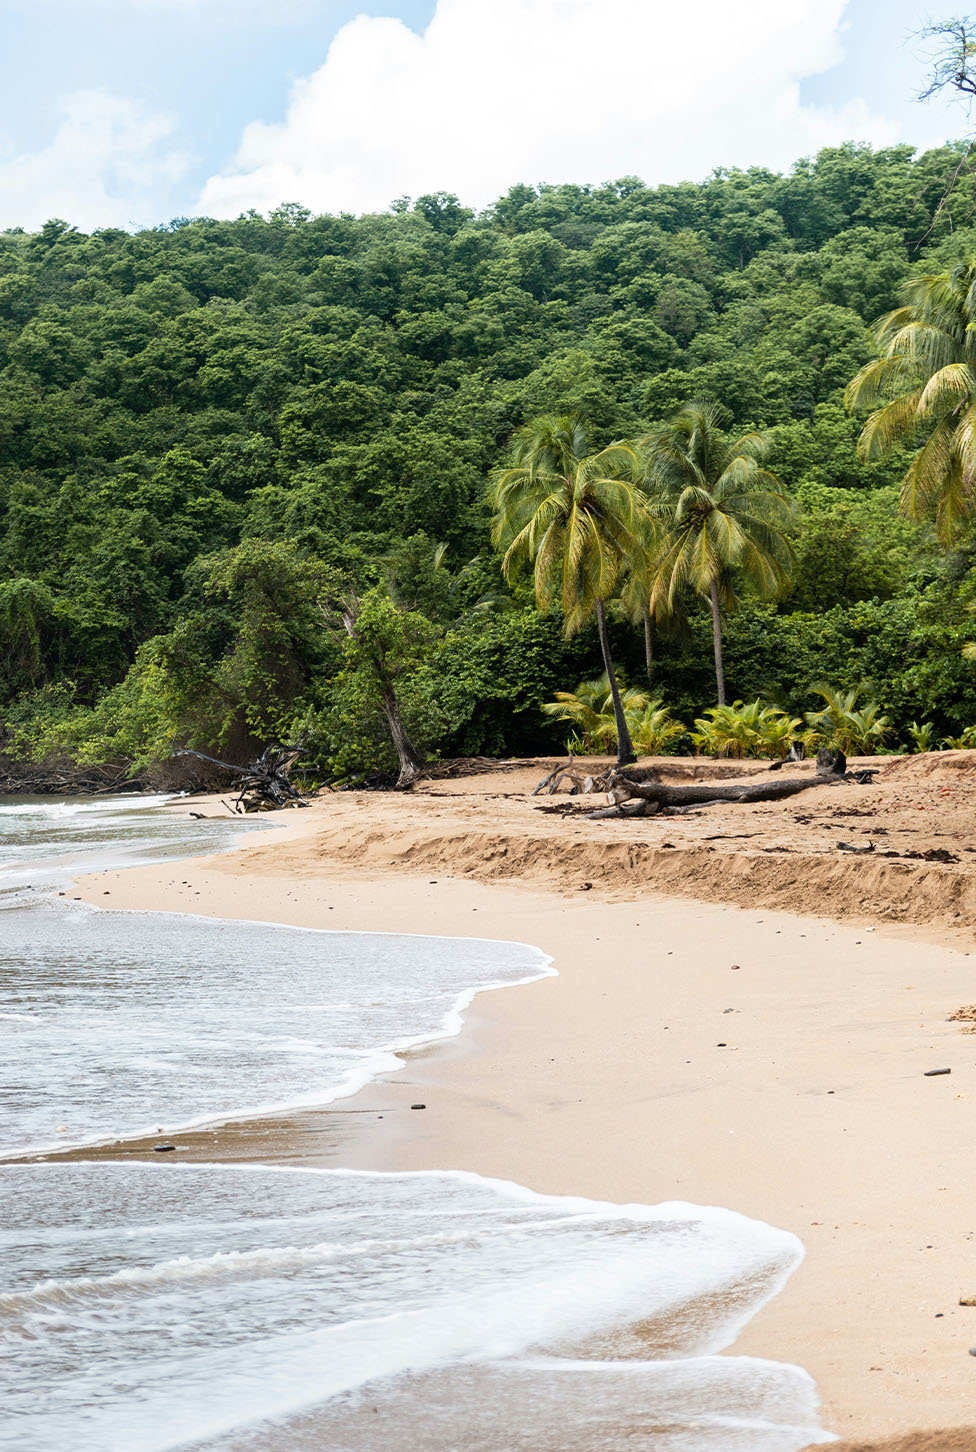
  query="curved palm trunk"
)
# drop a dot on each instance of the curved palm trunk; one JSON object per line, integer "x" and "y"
{"x": 717, "y": 642}
{"x": 625, "y": 749}
{"x": 649, "y": 646}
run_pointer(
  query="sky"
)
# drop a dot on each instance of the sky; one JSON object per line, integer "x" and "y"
{"x": 132, "y": 112}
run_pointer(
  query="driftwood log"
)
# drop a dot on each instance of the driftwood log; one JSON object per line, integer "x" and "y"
{"x": 633, "y": 798}
{"x": 264, "y": 785}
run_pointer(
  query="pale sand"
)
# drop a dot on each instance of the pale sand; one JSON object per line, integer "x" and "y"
{"x": 610, "y": 1081}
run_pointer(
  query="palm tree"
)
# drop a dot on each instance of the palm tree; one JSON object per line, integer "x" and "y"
{"x": 923, "y": 381}
{"x": 722, "y": 512}
{"x": 578, "y": 518}
{"x": 649, "y": 608}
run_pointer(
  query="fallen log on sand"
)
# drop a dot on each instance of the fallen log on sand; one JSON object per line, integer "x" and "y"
{"x": 633, "y": 798}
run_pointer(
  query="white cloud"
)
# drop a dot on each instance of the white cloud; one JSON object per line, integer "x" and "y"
{"x": 501, "y": 91}
{"x": 106, "y": 166}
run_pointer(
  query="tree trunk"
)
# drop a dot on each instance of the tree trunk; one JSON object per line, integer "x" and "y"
{"x": 717, "y": 643}
{"x": 625, "y": 749}
{"x": 649, "y": 645}
{"x": 411, "y": 760}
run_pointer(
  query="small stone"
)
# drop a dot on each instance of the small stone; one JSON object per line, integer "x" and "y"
{"x": 162, "y": 1149}
{"x": 418, "y": 1106}
{"x": 934, "y": 1073}
{"x": 721, "y": 1046}
{"x": 972, "y": 1350}
{"x": 736, "y": 967}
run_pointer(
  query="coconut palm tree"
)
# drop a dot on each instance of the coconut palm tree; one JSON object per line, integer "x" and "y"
{"x": 577, "y": 517}
{"x": 923, "y": 383}
{"x": 653, "y": 610}
{"x": 722, "y": 513}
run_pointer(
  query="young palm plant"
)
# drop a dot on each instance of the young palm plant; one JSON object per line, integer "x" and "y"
{"x": 589, "y": 709}
{"x": 577, "y": 518}
{"x": 856, "y": 732}
{"x": 922, "y": 734}
{"x": 745, "y": 730}
{"x": 722, "y": 513}
{"x": 653, "y": 729}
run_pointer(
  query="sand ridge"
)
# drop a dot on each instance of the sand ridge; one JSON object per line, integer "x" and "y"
{"x": 918, "y": 818}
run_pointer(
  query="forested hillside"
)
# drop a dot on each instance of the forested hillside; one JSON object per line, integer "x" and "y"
{"x": 212, "y": 431}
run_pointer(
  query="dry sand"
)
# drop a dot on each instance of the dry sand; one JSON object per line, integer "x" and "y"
{"x": 708, "y": 1046}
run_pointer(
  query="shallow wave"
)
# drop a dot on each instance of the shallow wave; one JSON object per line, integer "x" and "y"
{"x": 131, "y": 1024}
{"x": 62, "y": 810}
{"x": 294, "y": 1294}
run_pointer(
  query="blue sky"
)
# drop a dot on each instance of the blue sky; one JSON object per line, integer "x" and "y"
{"x": 128, "y": 112}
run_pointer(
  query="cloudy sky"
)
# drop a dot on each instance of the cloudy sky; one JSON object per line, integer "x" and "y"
{"x": 130, "y": 112}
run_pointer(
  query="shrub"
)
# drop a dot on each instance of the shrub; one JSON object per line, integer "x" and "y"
{"x": 745, "y": 730}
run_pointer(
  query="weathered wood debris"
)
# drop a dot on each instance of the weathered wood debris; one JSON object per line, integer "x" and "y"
{"x": 264, "y": 785}
{"x": 584, "y": 783}
{"x": 630, "y": 797}
{"x": 61, "y": 777}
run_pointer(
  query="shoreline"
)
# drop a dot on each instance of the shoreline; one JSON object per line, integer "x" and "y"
{"x": 547, "y": 1088}
{"x": 615, "y": 1111}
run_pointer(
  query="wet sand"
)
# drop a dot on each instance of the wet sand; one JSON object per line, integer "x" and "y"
{"x": 766, "y": 1062}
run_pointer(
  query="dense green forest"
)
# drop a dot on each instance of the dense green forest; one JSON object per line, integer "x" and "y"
{"x": 211, "y": 432}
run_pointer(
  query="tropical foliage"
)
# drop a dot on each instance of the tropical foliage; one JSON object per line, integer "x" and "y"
{"x": 921, "y": 734}
{"x": 578, "y": 518}
{"x": 589, "y": 710}
{"x": 742, "y": 730}
{"x": 922, "y": 389}
{"x": 210, "y": 429}
{"x": 857, "y": 731}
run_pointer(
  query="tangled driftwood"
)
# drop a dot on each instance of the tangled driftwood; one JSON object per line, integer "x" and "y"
{"x": 264, "y": 785}
{"x": 58, "y": 776}
{"x": 581, "y": 783}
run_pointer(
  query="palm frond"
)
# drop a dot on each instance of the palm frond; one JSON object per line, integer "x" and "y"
{"x": 928, "y": 472}
{"x": 946, "y": 389}
{"x": 889, "y": 426}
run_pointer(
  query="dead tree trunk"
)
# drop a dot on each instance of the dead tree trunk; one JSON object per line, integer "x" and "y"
{"x": 411, "y": 760}
{"x": 631, "y": 798}
{"x": 264, "y": 785}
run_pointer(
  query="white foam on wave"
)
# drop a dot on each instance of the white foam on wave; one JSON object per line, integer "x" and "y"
{"x": 347, "y": 1068}
{"x": 464, "y": 1271}
{"x": 62, "y": 810}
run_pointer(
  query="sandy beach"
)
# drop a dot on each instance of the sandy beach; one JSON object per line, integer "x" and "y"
{"x": 745, "y": 1015}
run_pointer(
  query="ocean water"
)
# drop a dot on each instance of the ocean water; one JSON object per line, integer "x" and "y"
{"x": 150, "y": 1306}
{"x": 120, "y": 1024}
{"x": 40, "y": 837}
